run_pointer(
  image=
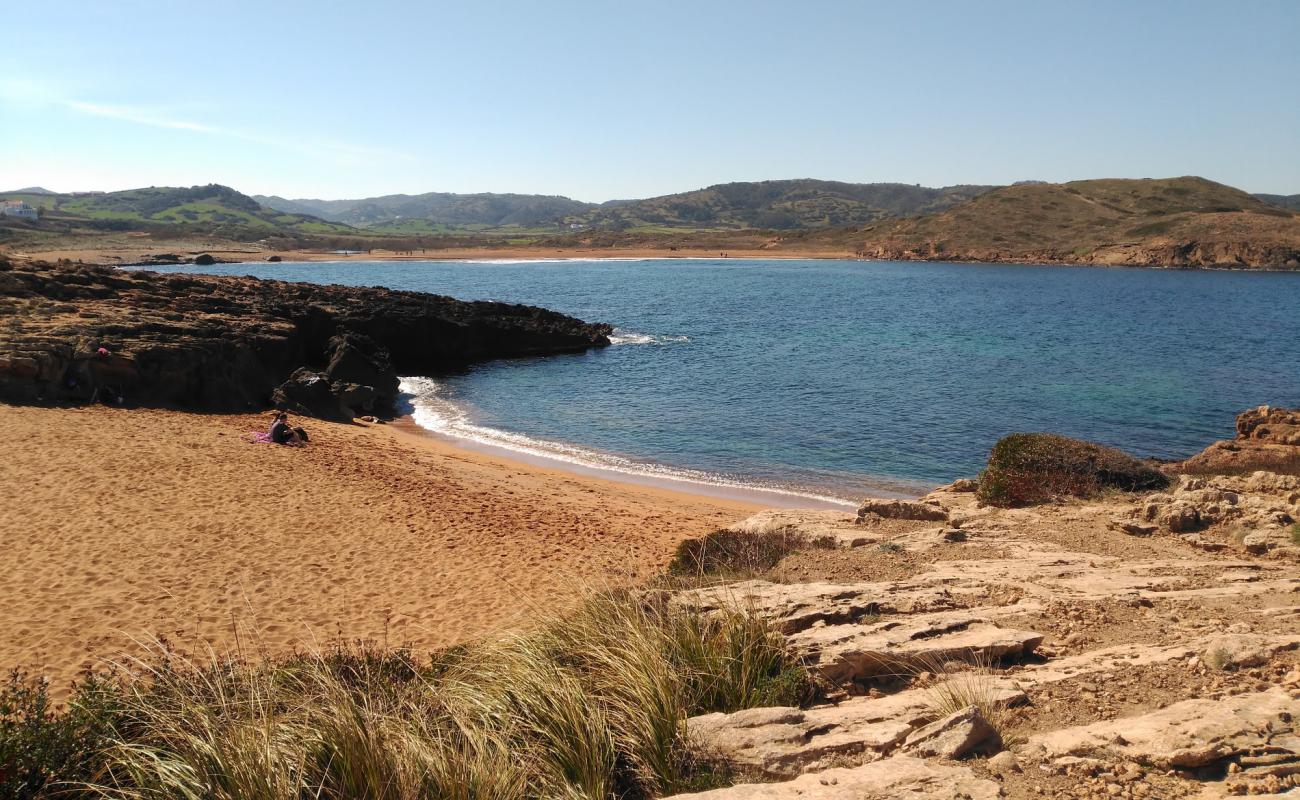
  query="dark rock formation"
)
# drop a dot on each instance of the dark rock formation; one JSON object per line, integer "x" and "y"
{"x": 84, "y": 334}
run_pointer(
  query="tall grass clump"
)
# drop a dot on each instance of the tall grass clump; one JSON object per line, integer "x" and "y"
{"x": 588, "y": 705}
{"x": 1029, "y": 468}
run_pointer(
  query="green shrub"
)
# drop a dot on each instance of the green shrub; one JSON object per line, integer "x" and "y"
{"x": 1027, "y": 468}
{"x": 737, "y": 554}
{"x": 42, "y": 747}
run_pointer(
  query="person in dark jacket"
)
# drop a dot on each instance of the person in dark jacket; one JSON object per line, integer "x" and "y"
{"x": 282, "y": 433}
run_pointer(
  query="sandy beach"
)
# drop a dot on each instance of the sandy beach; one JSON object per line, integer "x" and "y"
{"x": 123, "y": 525}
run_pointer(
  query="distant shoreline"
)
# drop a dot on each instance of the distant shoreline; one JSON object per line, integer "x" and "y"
{"x": 144, "y": 257}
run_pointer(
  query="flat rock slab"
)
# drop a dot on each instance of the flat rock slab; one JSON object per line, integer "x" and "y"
{"x": 782, "y": 742}
{"x": 1238, "y": 650}
{"x": 888, "y": 779}
{"x": 1190, "y": 734}
{"x": 839, "y": 527}
{"x": 924, "y": 642}
{"x": 794, "y": 607}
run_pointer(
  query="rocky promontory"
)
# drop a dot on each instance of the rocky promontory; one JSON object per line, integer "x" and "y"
{"x": 77, "y": 334}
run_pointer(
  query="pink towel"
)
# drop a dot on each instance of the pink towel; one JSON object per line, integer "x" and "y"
{"x": 261, "y": 438}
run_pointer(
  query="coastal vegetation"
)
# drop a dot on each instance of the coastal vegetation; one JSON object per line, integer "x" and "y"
{"x": 1028, "y": 468}
{"x": 587, "y": 704}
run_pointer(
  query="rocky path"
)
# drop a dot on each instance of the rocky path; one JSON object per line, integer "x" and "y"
{"x": 1136, "y": 646}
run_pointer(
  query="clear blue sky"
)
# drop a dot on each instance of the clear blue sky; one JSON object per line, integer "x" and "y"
{"x": 610, "y": 99}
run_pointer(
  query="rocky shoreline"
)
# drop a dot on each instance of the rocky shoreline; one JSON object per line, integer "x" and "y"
{"x": 77, "y": 334}
{"x": 1121, "y": 644}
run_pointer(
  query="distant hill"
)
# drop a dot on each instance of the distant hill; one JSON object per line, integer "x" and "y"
{"x": 1176, "y": 221}
{"x": 438, "y": 211}
{"x": 1291, "y": 201}
{"x": 781, "y": 205}
{"x": 767, "y": 204}
{"x": 212, "y": 208}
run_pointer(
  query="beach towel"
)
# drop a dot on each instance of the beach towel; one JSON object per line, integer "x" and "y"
{"x": 260, "y": 438}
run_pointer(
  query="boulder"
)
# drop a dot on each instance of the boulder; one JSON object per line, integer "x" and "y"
{"x": 204, "y": 260}
{"x": 959, "y": 734}
{"x": 356, "y": 359}
{"x": 273, "y": 259}
{"x": 310, "y": 394}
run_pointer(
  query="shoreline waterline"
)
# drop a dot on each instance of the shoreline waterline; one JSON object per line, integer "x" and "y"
{"x": 447, "y": 423}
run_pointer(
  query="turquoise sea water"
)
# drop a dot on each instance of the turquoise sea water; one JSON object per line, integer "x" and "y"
{"x": 837, "y": 378}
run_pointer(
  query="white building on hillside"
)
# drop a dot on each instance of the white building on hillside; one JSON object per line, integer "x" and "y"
{"x": 17, "y": 208}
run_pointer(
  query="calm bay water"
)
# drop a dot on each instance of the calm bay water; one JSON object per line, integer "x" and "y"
{"x": 836, "y": 377}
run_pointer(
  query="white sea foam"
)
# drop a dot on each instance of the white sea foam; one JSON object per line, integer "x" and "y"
{"x": 621, "y": 336}
{"x": 432, "y": 411}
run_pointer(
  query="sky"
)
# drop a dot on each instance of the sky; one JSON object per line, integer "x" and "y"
{"x": 607, "y": 100}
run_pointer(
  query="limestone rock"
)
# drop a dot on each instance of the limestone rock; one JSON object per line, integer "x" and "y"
{"x": 901, "y": 509}
{"x": 794, "y": 607}
{"x": 958, "y": 734}
{"x": 843, "y": 653}
{"x": 1243, "y": 650}
{"x": 888, "y": 779}
{"x": 1190, "y": 734}
{"x": 784, "y": 742}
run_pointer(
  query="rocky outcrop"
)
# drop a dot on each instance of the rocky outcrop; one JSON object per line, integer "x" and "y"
{"x": 1190, "y": 734}
{"x": 1267, "y": 439}
{"x": 889, "y": 779}
{"x": 1259, "y": 509}
{"x": 74, "y": 334}
{"x": 900, "y": 509}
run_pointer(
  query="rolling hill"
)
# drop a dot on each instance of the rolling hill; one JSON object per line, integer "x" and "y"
{"x": 1291, "y": 201}
{"x": 212, "y": 208}
{"x": 779, "y": 205}
{"x": 438, "y": 212}
{"x": 783, "y": 204}
{"x": 1186, "y": 221}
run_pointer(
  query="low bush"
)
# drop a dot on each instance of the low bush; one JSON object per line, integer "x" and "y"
{"x": 590, "y": 704}
{"x": 42, "y": 747}
{"x": 1028, "y": 468}
{"x": 738, "y": 554}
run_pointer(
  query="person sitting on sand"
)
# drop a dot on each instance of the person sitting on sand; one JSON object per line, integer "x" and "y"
{"x": 282, "y": 433}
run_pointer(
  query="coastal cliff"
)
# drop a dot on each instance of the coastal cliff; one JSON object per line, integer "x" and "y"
{"x": 75, "y": 334}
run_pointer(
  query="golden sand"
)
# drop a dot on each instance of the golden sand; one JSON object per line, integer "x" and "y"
{"x": 122, "y": 525}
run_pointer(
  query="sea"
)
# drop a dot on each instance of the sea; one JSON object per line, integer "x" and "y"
{"x": 823, "y": 382}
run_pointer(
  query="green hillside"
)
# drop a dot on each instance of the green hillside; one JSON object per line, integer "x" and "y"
{"x": 439, "y": 212}
{"x": 780, "y": 205}
{"x": 1291, "y": 201}
{"x": 211, "y": 208}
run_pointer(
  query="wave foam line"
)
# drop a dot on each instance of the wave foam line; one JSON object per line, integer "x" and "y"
{"x": 433, "y": 412}
{"x": 621, "y": 336}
